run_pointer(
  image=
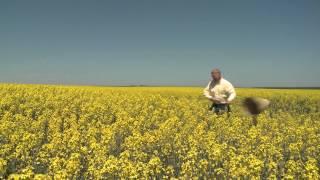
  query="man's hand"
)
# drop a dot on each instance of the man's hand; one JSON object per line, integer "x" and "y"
{"x": 215, "y": 101}
{"x": 218, "y": 100}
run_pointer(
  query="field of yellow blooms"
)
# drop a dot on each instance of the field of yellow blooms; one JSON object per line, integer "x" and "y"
{"x": 82, "y": 132}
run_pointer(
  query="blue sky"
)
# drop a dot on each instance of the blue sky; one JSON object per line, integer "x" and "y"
{"x": 165, "y": 42}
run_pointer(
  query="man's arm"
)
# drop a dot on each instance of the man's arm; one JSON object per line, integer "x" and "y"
{"x": 206, "y": 91}
{"x": 231, "y": 91}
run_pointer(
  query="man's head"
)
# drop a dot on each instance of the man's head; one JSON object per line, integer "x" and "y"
{"x": 216, "y": 74}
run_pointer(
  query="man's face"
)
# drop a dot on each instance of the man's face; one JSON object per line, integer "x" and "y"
{"x": 216, "y": 75}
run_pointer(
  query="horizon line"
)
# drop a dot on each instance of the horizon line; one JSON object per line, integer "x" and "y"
{"x": 157, "y": 85}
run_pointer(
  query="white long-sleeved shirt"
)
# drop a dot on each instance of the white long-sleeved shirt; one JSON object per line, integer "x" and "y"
{"x": 222, "y": 91}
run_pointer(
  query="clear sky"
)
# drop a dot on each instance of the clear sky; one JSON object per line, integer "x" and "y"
{"x": 164, "y": 42}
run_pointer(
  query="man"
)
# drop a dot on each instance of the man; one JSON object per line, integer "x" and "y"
{"x": 220, "y": 91}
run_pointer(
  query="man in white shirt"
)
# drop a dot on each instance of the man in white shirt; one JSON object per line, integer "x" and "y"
{"x": 220, "y": 91}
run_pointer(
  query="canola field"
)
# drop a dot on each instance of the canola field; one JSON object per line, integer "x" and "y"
{"x": 83, "y": 132}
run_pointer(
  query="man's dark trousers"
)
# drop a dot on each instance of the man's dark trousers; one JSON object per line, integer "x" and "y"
{"x": 220, "y": 108}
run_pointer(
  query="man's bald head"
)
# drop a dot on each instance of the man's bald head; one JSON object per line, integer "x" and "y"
{"x": 216, "y": 74}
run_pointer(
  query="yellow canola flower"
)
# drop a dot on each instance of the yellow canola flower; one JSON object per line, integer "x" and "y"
{"x": 84, "y": 132}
